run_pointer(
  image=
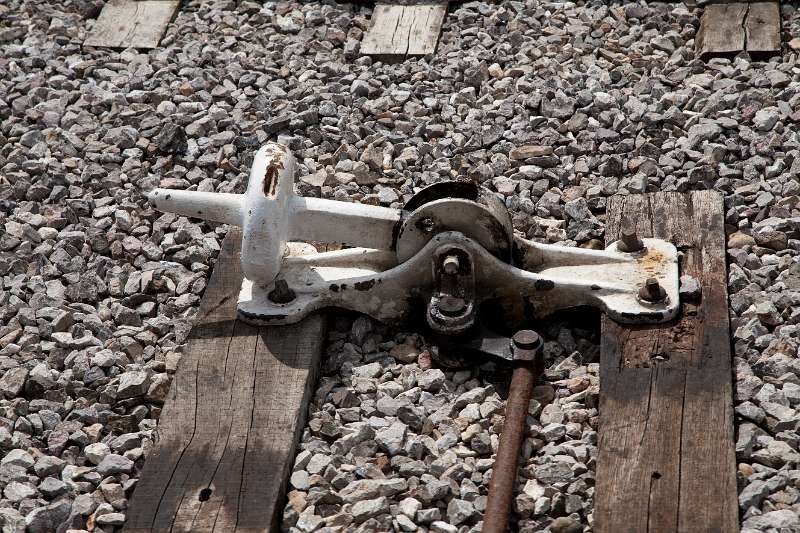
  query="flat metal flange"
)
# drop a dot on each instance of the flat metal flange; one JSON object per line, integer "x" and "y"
{"x": 374, "y": 282}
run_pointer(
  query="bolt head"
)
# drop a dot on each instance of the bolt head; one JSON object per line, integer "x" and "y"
{"x": 451, "y": 265}
{"x": 451, "y": 305}
{"x": 526, "y": 339}
{"x": 630, "y": 241}
{"x": 652, "y": 291}
{"x": 281, "y": 294}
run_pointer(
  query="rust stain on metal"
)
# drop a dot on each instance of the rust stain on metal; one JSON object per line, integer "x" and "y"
{"x": 497, "y": 231}
{"x": 504, "y": 470}
{"x": 271, "y": 176}
{"x": 364, "y": 285}
{"x": 652, "y": 262}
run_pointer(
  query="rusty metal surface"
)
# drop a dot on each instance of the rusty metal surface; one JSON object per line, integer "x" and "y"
{"x": 504, "y": 471}
{"x": 527, "y": 348}
{"x": 526, "y": 345}
{"x": 452, "y": 306}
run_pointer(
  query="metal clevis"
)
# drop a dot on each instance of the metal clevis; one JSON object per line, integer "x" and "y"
{"x": 450, "y": 250}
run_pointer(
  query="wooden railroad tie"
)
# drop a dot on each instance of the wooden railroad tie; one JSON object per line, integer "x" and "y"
{"x": 132, "y": 23}
{"x": 666, "y": 458}
{"x": 227, "y": 435}
{"x": 402, "y": 30}
{"x": 727, "y": 29}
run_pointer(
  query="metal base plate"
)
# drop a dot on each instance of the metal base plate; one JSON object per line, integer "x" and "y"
{"x": 551, "y": 278}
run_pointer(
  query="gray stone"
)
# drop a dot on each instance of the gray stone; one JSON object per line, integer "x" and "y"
{"x": 431, "y": 380}
{"x": 772, "y": 520}
{"x": 690, "y": 289}
{"x": 766, "y": 118}
{"x": 391, "y": 438}
{"x": 52, "y": 488}
{"x": 47, "y": 465}
{"x": 554, "y": 472}
{"x": 19, "y": 458}
{"x": 459, "y": 511}
{"x": 96, "y": 452}
{"x": 12, "y": 381}
{"x": 753, "y": 494}
{"x": 16, "y": 492}
{"x": 111, "y": 519}
{"x": 409, "y": 507}
{"x": 443, "y": 527}
{"x": 364, "y": 509}
{"x": 565, "y": 524}
{"x": 114, "y": 464}
{"x": 365, "y": 489}
{"x": 47, "y": 519}
{"x": 133, "y": 384}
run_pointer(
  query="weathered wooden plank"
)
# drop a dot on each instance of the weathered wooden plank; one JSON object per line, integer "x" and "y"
{"x": 425, "y": 29}
{"x": 727, "y": 29}
{"x": 228, "y": 430}
{"x": 132, "y": 23}
{"x": 763, "y": 28}
{"x": 380, "y": 36}
{"x": 666, "y": 451}
{"x": 721, "y": 30}
{"x": 404, "y": 30}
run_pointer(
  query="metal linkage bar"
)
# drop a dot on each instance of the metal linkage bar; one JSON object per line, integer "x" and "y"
{"x": 527, "y": 349}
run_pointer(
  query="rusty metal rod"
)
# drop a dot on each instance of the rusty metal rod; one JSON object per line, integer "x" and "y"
{"x": 504, "y": 471}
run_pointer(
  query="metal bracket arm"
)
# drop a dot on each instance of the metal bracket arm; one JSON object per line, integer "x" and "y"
{"x": 373, "y": 282}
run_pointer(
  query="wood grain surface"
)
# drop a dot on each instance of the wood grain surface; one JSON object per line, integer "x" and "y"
{"x": 666, "y": 457}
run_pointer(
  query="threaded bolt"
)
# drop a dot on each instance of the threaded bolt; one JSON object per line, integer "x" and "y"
{"x": 281, "y": 294}
{"x": 630, "y": 241}
{"x": 652, "y": 291}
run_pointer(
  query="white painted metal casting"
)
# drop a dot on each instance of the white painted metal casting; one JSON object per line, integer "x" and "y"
{"x": 270, "y": 215}
{"x": 382, "y": 274}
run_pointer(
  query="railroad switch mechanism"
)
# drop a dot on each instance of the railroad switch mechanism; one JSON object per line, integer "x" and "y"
{"x": 449, "y": 253}
{"x": 450, "y": 249}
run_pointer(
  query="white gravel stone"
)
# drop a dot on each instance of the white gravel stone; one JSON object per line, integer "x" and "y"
{"x": 18, "y": 457}
{"x": 96, "y": 452}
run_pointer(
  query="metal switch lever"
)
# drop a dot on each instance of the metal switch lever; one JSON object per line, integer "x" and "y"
{"x": 452, "y": 246}
{"x": 270, "y": 215}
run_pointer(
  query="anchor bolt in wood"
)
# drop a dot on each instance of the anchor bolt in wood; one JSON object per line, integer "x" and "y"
{"x": 652, "y": 291}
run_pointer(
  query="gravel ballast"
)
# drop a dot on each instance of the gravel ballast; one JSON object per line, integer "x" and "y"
{"x": 555, "y": 106}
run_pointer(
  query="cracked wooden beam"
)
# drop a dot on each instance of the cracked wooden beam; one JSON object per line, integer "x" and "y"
{"x": 728, "y": 29}
{"x": 404, "y": 30}
{"x": 666, "y": 458}
{"x": 228, "y": 432}
{"x": 132, "y": 23}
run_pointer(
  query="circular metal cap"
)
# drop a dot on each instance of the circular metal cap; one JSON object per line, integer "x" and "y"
{"x": 451, "y": 305}
{"x": 526, "y": 339}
